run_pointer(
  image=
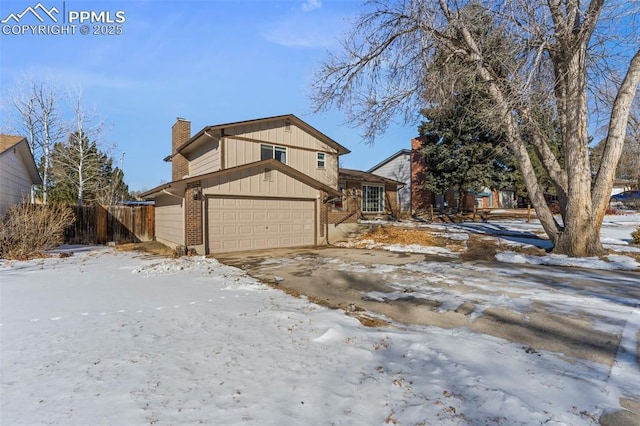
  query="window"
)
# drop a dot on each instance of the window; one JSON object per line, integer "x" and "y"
{"x": 270, "y": 151}
{"x": 320, "y": 160}
{"x": 372, "y": 199}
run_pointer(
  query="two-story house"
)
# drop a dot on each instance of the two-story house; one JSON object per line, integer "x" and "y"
{"x": 256, "y": 184}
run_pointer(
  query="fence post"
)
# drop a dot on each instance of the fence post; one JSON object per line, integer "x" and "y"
{"x": 101, "y": 224}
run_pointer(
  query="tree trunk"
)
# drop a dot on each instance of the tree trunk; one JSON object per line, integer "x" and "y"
{"x": 615, "y": 139}
{"x": 580, "y": 235}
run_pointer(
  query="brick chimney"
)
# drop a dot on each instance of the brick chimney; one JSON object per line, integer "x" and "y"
{"x": 180, "y": 133}
{"x": 421, "y": 199}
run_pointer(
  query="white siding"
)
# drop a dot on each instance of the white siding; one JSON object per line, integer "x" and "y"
{"x": 399, "y": 169}
{"x": 15, "y": 182}
{"x": 169, "y": 220}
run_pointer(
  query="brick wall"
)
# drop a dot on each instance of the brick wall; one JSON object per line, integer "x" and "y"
{"x": 193, "y": 220}
{"x": 352, "y": 205}
{"x": 421, "y": 199}
{"x": 343, "y": 217}
{"x": 180, "y": 133}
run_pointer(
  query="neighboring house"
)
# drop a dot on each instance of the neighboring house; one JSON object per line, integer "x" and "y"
{"x": 621, "y": 185}
{"x": 407, "y": 166}
{"x": 18, "y": 172}
{"x": 256, "y": 184}
{"x": 398, "y": 168}
{"x": 423, "y": 200}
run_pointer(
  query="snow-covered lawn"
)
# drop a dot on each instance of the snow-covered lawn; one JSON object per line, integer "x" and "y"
{"x": 105, "y": 337}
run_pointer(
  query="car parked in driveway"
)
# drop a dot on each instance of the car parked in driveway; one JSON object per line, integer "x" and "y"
{"x": 627, "y": 198}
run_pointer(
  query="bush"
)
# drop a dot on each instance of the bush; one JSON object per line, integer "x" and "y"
{"x": 27, "y": 230}
{"x": 635, "y": 236}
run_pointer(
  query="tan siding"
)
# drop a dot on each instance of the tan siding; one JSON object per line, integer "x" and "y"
{"x": 15, "y": 182}
{"x": 252, "y": 182}
{"x": 169, "y": 220}
{"x": 205, "y": 159}
{"x": 239, "y": 152}
{"x": 274, "y": 131}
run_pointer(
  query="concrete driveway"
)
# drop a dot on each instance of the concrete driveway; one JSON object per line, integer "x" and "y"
{"x": 584, "y": 314}
{"x": 522, "y": 303}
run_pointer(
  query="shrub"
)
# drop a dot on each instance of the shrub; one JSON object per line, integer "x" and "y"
{"x": 27, "y": 230}
{"x": 635, "y": 236}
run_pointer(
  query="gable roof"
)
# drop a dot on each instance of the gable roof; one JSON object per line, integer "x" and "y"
{"x": 358, "y": 175}
{"x": 21, "y": 146}
{"x": 390, "y": 159}
{"x": 7, "y": 141}
{"x": 289, "y": 117}
{"x": 271, "y": 163}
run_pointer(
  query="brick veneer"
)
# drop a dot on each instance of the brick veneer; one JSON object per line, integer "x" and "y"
{"x": 352, "y": 205}
{"x": 180, "y": 133}
{"x": 421, "y": 199}
{"x": 193, "y": 219}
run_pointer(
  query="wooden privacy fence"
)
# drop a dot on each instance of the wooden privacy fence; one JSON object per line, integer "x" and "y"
{"x": 122, "y": 224}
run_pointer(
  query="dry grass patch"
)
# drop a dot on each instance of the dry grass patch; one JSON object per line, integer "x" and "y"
{"x": 393, "y": 235}
{"x": 369, "y": 321}
{"x": 480, "y": 248}
{"x": 476, "y": 247}
{"x": 151, "y": 247}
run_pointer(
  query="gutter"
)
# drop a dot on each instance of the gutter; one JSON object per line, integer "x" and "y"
{"x": 164, "y": 191}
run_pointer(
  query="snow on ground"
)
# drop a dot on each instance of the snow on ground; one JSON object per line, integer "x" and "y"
{"x": 103, "y": 337}
{"x": 615, "y": 235}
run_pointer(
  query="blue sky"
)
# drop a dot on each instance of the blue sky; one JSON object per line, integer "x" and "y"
{"x": 211, "y": 62}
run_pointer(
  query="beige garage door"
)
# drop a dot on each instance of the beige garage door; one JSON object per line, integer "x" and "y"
{"x": 252, "y": 224}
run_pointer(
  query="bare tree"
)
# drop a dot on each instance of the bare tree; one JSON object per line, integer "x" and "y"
{"x": 79, "y": 155}
{"x": 629, "y": 165}
{"x": 37, "y": 105}
{"x": 386, "y": 69}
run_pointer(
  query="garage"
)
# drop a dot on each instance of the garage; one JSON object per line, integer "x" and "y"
{"x": 242, "y": 223}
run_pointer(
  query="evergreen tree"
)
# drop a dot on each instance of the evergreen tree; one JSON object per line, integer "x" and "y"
{"x": 84, "y": 174}
{"x": 460, "y": 153}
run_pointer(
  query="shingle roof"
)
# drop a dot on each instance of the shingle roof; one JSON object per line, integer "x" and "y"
{"x": 358, "y": 175}
{"x": 290, "y": 117}
{"x": 7, "y": 141}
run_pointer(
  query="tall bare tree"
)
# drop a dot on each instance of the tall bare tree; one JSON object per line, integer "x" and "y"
{"x": 37, "y": 105}
{"x": 558, "y": 48}
{"x": 84, "y": 161}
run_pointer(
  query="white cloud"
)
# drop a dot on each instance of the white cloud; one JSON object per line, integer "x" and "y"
{"x": 302, "y": 32}
{"x": 310, "y": 5}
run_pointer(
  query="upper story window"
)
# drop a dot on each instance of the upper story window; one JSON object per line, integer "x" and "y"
{"x": 271, "y": 151}
{"x": 372, "y": 199}
{"x": 321, "y": 160}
